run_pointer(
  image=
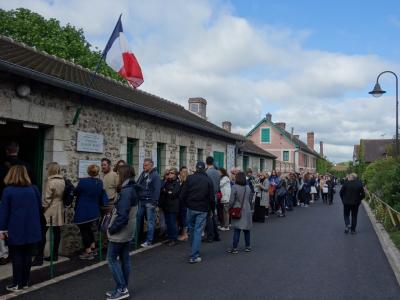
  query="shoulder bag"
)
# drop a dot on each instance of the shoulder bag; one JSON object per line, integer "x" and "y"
{"x": 236, "y": 212}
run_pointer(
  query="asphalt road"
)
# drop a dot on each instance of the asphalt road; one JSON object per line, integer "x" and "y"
{"x": 303, "y": 256}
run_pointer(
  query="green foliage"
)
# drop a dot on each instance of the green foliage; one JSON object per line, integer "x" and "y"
{"x": 323, "y": 166}
{"x": 395, "y": 236}
{"x": 382, "y": 178}
{"x": 48, "y": 35}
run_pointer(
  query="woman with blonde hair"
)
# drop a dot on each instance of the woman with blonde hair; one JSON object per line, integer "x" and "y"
{"x": 90, "y": 195}
{"x": 20, "y": 223}
{"x": 53, "y": 207}
{"x": 183, "y": 226}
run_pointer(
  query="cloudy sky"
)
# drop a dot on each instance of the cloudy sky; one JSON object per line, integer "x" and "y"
{"x": 311, "y": 65}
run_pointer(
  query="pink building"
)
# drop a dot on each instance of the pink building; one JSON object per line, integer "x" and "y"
{"x": 292, "y": 154}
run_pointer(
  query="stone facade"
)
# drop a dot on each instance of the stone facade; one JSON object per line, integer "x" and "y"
{"x": 53, "y": 108}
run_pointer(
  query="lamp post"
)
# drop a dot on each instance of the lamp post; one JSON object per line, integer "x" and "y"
{"x": 377, "y": 92}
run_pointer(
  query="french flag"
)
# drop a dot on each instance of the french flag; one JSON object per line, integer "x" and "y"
{"x": 119, "y": 57}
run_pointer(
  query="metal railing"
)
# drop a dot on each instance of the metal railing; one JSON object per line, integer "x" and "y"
{"x": 384, "y": 213}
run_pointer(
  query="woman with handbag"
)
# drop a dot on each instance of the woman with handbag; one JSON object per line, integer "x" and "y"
{"x": 90, "y": 195}
{"x": 240, "y": 211}
{"x": 121, "y": 231}
{"x": 261, "y": 205}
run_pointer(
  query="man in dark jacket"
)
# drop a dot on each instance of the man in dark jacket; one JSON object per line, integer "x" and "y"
{"x": 351, "y": 193}
{"x": 149, "y": 185}
{"x": 211, "y": 225}
{"x": 199, "y": 197}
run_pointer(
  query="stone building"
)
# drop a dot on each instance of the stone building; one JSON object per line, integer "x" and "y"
{"x": 41, "y": 96}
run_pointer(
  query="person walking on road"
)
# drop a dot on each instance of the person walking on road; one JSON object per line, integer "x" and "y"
{"x": 351, "y": 193}
{"x": 20, "y": 223}
{"x": 241, "y": 198}
{"x": 199, "y": 197}
{"x": 121, "y": 231}
{"x": 149, "y": 184}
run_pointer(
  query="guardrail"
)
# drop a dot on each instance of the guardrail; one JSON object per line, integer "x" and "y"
{"x": 384, "y": 213}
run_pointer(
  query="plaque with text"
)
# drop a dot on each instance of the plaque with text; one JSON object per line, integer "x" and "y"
{"x": 89, "y": 142}
{"x": 84, "y": 164}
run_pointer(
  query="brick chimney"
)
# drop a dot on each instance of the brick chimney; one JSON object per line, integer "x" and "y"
{"x": 281, "y": 125}
{"x": 268, "y": 116}
{"x": 321, "y": 148}
{"x": 310, "y": 140}
{"x": 227, "y": 126}
{"x": 198, "y": 106}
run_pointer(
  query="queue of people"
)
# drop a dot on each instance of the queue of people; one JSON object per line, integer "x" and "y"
{"x": 195, "y": 208}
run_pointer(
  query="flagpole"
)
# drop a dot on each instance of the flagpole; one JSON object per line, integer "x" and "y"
{"x": 91, "y": 82}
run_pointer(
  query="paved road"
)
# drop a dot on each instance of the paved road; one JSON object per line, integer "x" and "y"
{"x": 303, "y": 256}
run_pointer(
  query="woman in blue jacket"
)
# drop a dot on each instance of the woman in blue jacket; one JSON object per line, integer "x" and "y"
{"x": 90, "y": 196}
{"x": 120, "y": 232}
{"x": 20, "y": 223}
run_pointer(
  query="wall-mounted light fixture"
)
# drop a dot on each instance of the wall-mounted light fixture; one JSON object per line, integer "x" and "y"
{"x": 23, "y": 90}
{"x": 30, "y": 125}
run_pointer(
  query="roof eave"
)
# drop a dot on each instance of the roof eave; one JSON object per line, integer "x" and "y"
{"x": 51, "y": 80}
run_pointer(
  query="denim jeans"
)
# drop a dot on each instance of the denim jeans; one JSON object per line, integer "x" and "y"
{"x": 236, "y": 238}
{"x": 119, "y": 268}
{"x": 172, "y": 228}
{"x": 196, "y": 220}
{"x": 183, "y": 216}
{"x": 149, "y": 211}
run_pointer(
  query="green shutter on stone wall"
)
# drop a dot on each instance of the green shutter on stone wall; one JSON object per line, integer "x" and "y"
{"x": 219, "y": 160}
{"x": 265, "y": 135}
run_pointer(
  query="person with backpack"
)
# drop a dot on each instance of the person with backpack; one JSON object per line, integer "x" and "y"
{"x": 53, "y": 208}
{"x": 240, "y": 200}
{"x": 121, "y": 231}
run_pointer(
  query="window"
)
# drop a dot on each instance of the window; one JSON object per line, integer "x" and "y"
{"x": 262, "y": 164}
{"x": 245, "y": 163}
{"x": 219, "y": 160}
{"x": 161, "y": 158}
{"x": 265, "y": 135}
{"x": 132, "y": 153}
{"x": 285, "y": 156}
{"x": 182, "y": 156}
{"x": 200, "y": 155}
{"x": 305, "y": 160}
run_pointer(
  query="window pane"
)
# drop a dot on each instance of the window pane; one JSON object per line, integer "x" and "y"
{"x": 265, "y": 135}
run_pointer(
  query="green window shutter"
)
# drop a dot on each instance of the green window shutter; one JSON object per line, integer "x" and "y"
{"x": 129, "y": 155}
{"x": 265, "y": 135}
{"x": 219, "y": 160}
{"x": 245, "y": 163}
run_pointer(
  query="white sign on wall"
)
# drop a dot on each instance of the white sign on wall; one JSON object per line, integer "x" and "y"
{"x": 84, "y": 164}
{"x": 89, "y": 142}
{"x": 141, "y": 159}
{"x": 230, "y": 157}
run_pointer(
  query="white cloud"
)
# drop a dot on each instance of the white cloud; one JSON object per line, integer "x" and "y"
{"x": 200, "y": 48}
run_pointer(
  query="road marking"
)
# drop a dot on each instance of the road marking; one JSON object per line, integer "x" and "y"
{"x": 70, "y": 275}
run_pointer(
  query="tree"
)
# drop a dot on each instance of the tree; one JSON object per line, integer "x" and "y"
{"x": 323, "y": 166}
{"x": 48, "y": 35}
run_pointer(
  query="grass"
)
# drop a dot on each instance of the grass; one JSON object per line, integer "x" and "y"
{"x": 395, "y": 236}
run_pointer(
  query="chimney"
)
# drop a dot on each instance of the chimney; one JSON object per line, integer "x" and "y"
{"x": 281, "y": 125}
{"x": 268, "y": 116}
{"x": 198, "y": 106}
{"x": 297, "y": 136}
{"x": 227, "y": 126}
{"x": 321, "y": 148}
{"x": 310, "y": 140}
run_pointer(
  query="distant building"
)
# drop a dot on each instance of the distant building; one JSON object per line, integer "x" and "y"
{"x": 371, "y": 150}
{"x": 292, "y": 154}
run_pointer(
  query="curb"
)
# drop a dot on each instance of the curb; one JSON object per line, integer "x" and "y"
{"x": 391, "y": 251}
{"x": 70, "y": 275}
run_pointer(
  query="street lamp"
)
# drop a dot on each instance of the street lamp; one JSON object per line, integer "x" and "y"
{"x": 377, "y": 92}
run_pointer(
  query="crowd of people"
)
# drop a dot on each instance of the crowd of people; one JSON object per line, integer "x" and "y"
{"x": 188, "y": 206}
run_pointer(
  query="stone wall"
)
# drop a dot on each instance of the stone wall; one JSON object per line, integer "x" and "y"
{"x": 54, "y": 108}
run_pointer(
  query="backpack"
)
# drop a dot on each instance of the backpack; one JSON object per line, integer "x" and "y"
{"x": 68, "y": 195}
